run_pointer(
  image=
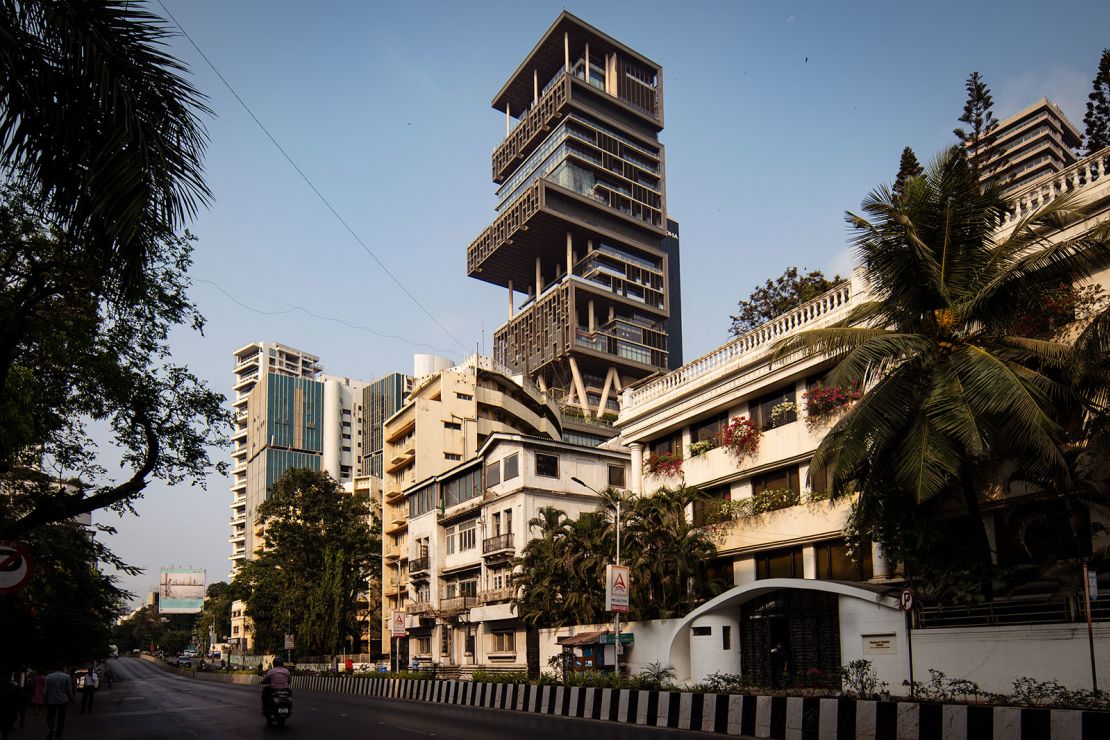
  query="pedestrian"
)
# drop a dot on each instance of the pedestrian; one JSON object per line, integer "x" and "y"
{"x": 38, "y": 692}
{"x": 109, "y": 675}
{"x": 26, "y": 690}
{"x": 58, "y": 693}
{"x": 88, "y": 689}
{"x": 10, "y": 698}
{"x": 780, "y": 665}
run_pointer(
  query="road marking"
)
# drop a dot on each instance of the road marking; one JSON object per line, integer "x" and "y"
{"x": 418, "y": 732}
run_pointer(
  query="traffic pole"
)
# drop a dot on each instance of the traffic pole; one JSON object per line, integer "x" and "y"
{"x": 1090, "y": 628}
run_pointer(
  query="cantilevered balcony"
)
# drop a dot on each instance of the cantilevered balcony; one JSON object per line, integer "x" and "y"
{"x": 498, "y": 545}
{"x": 531, "y": 127}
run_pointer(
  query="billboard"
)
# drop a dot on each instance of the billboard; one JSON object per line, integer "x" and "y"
{"x": 181, "y": 591}
{"x": 616, "y": 588}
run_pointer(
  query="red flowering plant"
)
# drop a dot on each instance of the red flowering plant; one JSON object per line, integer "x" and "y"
{"x": 822, "y": 401}
{"x": 665, "y": 464}
{"x": 740, "y": 437}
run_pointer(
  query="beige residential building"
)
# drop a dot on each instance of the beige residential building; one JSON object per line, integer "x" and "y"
{"x": 1034, "y": 142}
{"x": 447, "y": 417}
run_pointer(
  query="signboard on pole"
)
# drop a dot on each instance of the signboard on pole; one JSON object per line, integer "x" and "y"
{"x": 616, "y": 588}
{"x": 15, "y": 567}
{"x": 1092, "y": 585}
{"x": 181, "y": 591}
{"x": 397, "y": 623}
{"x": 289, "y": 642}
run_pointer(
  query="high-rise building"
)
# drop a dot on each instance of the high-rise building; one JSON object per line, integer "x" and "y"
{"x": 252, "y": 362}
{"x": 381, "y": 399}
{"x": 581, "y": 221}
{"x": 1034, "y": 142}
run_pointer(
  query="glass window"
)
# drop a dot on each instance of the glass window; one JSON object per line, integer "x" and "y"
{"x": 726, "y": 637}
{"x": 451, "y": 543}
{"x": 667, "y": 445}
{"x": 468, "y": 533}
{"x": 452, "y": 425}
{"x": 462, "y": 487}
{"x": 493, "y": 473}
{"x": 512, "y": 466}
{"x": 547, "y": 465}
{"x": 836, "y": 564}
{"x": 776, "y": 479}
{"x": 616, "y": 476}
{"x": 503, "y": 641}
{"x": 762, "y": 408}
{"x": 779, "y": 564}
{"x": 708, "y": 429}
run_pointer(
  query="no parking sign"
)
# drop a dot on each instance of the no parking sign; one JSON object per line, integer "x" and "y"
{"x": 16, "y": 567}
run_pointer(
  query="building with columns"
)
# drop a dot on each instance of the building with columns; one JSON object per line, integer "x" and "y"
{"x": 581, "y": 229}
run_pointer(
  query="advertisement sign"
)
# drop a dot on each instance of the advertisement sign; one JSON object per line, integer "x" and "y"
{"x": 16, "y": 567}
{"x": 1092, "y": 585}
{"x": 289, "y": 642}
{"x": 181, "y": 591}
{"x": 397, "y": 623}
{"x": 616, "y": 588}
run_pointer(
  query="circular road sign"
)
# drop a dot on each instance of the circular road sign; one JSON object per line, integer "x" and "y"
{"x": 906, "y": 599}
{"x": 15, "y": 567}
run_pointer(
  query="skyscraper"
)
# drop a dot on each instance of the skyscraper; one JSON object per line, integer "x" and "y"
{"x": 581, "y": 219}
{"x": 381, "y": 399}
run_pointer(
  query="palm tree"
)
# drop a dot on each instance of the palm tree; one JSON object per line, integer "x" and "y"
{"x": 958, "y": 378}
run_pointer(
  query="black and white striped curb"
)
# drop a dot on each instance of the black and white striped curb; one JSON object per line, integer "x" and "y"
{"x": 782, "y": 718}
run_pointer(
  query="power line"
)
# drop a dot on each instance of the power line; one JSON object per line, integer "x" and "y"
{"x": 321, "y": 317}
{"x": 309, "y": 182}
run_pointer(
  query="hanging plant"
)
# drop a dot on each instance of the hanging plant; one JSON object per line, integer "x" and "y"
{"x": 740, "y": 437}
{"x": 783, "y": 413}
{"x": 823, "y": 401}
{"x": 665, "y": 464}
{"x": 702, "y": 447}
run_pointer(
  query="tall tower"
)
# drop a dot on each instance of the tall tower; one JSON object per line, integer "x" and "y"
{"x": 581, "y": 219}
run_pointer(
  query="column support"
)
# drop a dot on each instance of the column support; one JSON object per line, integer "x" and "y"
{"x": 508, "y": 121}
{"x": 570, "y": 253}
{"x": 580, "y": 387}
{"x": 592, "y": 323}
{"x": 880, "y": 565}
{"x": 535, "y": 86}
{"x": 637, "y": 477}
{"x": 510, "y": 300}
{"x": 566, "y": 51}
{"x": 539, "y": 278}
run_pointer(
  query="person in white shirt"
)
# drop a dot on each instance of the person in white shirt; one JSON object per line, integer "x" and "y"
{"x": 88, "y": 691}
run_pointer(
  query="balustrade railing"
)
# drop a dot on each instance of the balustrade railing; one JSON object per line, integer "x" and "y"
{"x": 1087, "y": 171}
{"x": 457, "y": 604}
{"x": 530, "y": 125}
{"x": 497, "y": 542}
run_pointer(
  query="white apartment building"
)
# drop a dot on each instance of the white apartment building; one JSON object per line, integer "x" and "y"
{"x": 465, "y": 527}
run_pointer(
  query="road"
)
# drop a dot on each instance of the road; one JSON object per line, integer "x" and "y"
{"x": 148, "y": 703}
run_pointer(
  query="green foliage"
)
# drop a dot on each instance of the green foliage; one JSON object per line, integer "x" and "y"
{"x": 515, "y": 677}
{"x": 320, "y": 549}
{"x": 66, "y": 611}
{"x": 763, "y": 502}
{"x": 140, "y": 630}
{"x": 940, "y": 688}
{"x": 953, "y": 393}
{"x": 776, "y": 297}
{"x": 908, "y": 167}
{"x": 561, "y": 572}
{"x": 72, "y": 360}
{"x": 701, "y": 447}
{"x": 1097, "y": 118}
{"x": 860, "y": 681}
{"x": 216, "y": 613}
{"x": 980, "y": 120}
{"x": 656, "y": 676}
{"x": 726, "y": 683}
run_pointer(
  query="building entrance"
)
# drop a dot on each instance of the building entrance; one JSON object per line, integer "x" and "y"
{"x": 790, "y": 637}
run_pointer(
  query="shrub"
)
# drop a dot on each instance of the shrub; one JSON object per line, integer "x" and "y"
{"x": 499, "y": 676}
{"x": 702, "y": 447}
{"x": 655, "y": 676}
{"x": 740, "y": 437}
{"x": 772, "y": 499}
{"x": 666, "y": 464}
{"x": 860, "y": 680}
{"x": 822, "y": 401}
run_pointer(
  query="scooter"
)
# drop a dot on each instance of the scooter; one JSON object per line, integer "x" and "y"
{"x": 279, "y": 707}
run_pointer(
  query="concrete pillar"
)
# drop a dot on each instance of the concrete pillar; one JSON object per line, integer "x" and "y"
{"x": 637, "y": 479}
{"x": 587, "y": 62}
{"x": 590, "y": 311}
{"x": 880, "y": 566}
{"x": 566, "y": 50}
{"x": 508, "y": 121}
{"x": 579, "y": 386}
{"x": 570, "y": 253}
{"x": 333, "y": 420}
{"x": 809, "y": 562}
{"x": 535, "y": 86}
{"x": 589, "y": 246}
{"x": 510, "y": 300}
{"x": 539, "y": 278}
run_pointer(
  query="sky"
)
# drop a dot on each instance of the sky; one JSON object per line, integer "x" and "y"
{"x": 778, "y": 118}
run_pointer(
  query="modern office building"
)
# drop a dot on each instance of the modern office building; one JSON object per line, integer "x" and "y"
{"x": 381, "y": 399}
{"x": 252, "y": 362}
{"x": 580, "y": 226}
{"x": 447, "y": 417}
{"x": 1036, "y": 141}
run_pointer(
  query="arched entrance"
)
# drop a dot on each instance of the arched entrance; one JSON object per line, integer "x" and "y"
{"x": 789, "y": 634}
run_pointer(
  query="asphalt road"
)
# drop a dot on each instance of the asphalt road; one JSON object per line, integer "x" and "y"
{"x": 148, "y": 703}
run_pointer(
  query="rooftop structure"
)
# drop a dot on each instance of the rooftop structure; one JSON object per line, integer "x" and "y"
{"x": 1030, "y": 144}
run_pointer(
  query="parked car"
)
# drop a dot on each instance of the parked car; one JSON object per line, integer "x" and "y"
{"x": 184, "y": 661}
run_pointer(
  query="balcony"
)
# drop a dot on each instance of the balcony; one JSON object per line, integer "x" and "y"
{"x": 420, "y": 608}
{"x": 528, "y": 129}
{"x": 420, "y": 566}
{"x": 457, "y": 605}
{"x": 498, "y": 594}
{"x": 498, "y": 544}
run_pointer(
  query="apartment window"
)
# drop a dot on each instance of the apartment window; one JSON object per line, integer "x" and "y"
{"x": 503, "y": 641}
{"x": 462, "y": 487}
{"x": 464, "y": 396}
{"x": 726, "y": 637}
{"x": 235, "y": 629}
{"x": 763, "y": 407}
{"x": 452, "y": 425}
{"x": 496, "y": 524}
{"x": 512, "y": 466}
{"x": 616, "y": 476}
{"x": 346, "y": 448}
{"x": 468, "y": 648}
{"x": 668, "y": 445}
{"x": 779, "y": 564}
{"x": 445, "y": 641}
{"x": 422, "y": 501}
{"x": 547, "y": 465}
{"x": 701, "y": 631}
{"x": 498, "y": 580}
{"x": 423, "y": 646}
{"x": 451, "y": 532}
{"x": 346, "y": 412}
{"x": 493, "y": 473}
{"x": 468, "y": 587}
{"x": 451, "y": 456}
{"x": 708, "y": 429}
{"x": 776, "y": 479}
{"x": 346, "y": 436}
{"x": 835, "y": 564}
{"x": 468, "y": 535}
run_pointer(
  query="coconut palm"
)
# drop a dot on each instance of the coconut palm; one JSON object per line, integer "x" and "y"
{"x": 960, "y": 370}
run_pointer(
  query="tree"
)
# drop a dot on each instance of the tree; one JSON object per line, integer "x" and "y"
{"x": 908, "y": 167}
{"x": 1097, "y": 119}
{"x": 216, "y": 612}
{"x": 322, "y": 546}
{"x": 100, "y": 123}
{"x": 980, "y": 120}
{"x": 953, "y": 390}
{"x": 776, "y": 297}
{"x": 82, "y": 361}
{"x": 66, "y": 611}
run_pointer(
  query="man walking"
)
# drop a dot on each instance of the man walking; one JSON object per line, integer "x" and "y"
{"x": 59, "y": 693}
{"x": 88, "y": 689}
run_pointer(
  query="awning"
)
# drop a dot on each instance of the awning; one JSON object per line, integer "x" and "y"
{"x": 582, "y": 638}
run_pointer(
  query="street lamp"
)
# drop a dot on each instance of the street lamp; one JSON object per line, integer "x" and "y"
{"x": 616, "y": 615}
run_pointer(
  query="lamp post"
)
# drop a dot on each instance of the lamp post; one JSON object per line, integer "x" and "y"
{"x": 616, "y": 615}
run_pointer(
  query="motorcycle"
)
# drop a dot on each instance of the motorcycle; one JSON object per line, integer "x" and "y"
{"x": 279, "y": 707}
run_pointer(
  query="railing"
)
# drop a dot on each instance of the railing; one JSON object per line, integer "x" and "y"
{"x": 419, "y": 607}
{"x": 497, "y": 594}
{"x": 501, "y": 230}
{"x": 831, "y": 304}
{"x": 457, "y": 604}
{"x": 1010, "y": 613}
{"x": 419, "y": 565}
{"x": 1087, "y": 171}
{"x": 497, "y": 542}
{"x": 529, "y": 126}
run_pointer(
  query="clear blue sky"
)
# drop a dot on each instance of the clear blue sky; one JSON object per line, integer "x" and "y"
{"x": 386, "y": 108}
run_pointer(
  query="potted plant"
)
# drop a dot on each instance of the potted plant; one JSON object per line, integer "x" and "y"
{"x": 665, "y": 464}
{"x": 740, "y": 437}
{"x": 824, "y": 401}
{"x": 701, "y": 447}
{"x": 783, "y": 413}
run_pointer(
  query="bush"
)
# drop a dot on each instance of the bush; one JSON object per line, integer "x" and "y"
{"x": 499, "y": 677}
{"x": 860, "y": 680}
{"x": 655, "y": 676}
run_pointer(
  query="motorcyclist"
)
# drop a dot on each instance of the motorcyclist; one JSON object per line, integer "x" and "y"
{"x": 277, "y": 677}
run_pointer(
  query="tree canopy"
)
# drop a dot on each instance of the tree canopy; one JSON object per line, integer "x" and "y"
{"x": 979, "y": 117}
{"x": 1097, "y": 119}
{"x": 776, "y": 297}
{"x": 958, "y": 378}
{"x": 908, "y": 167}
{"x": 321, "y": 546}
